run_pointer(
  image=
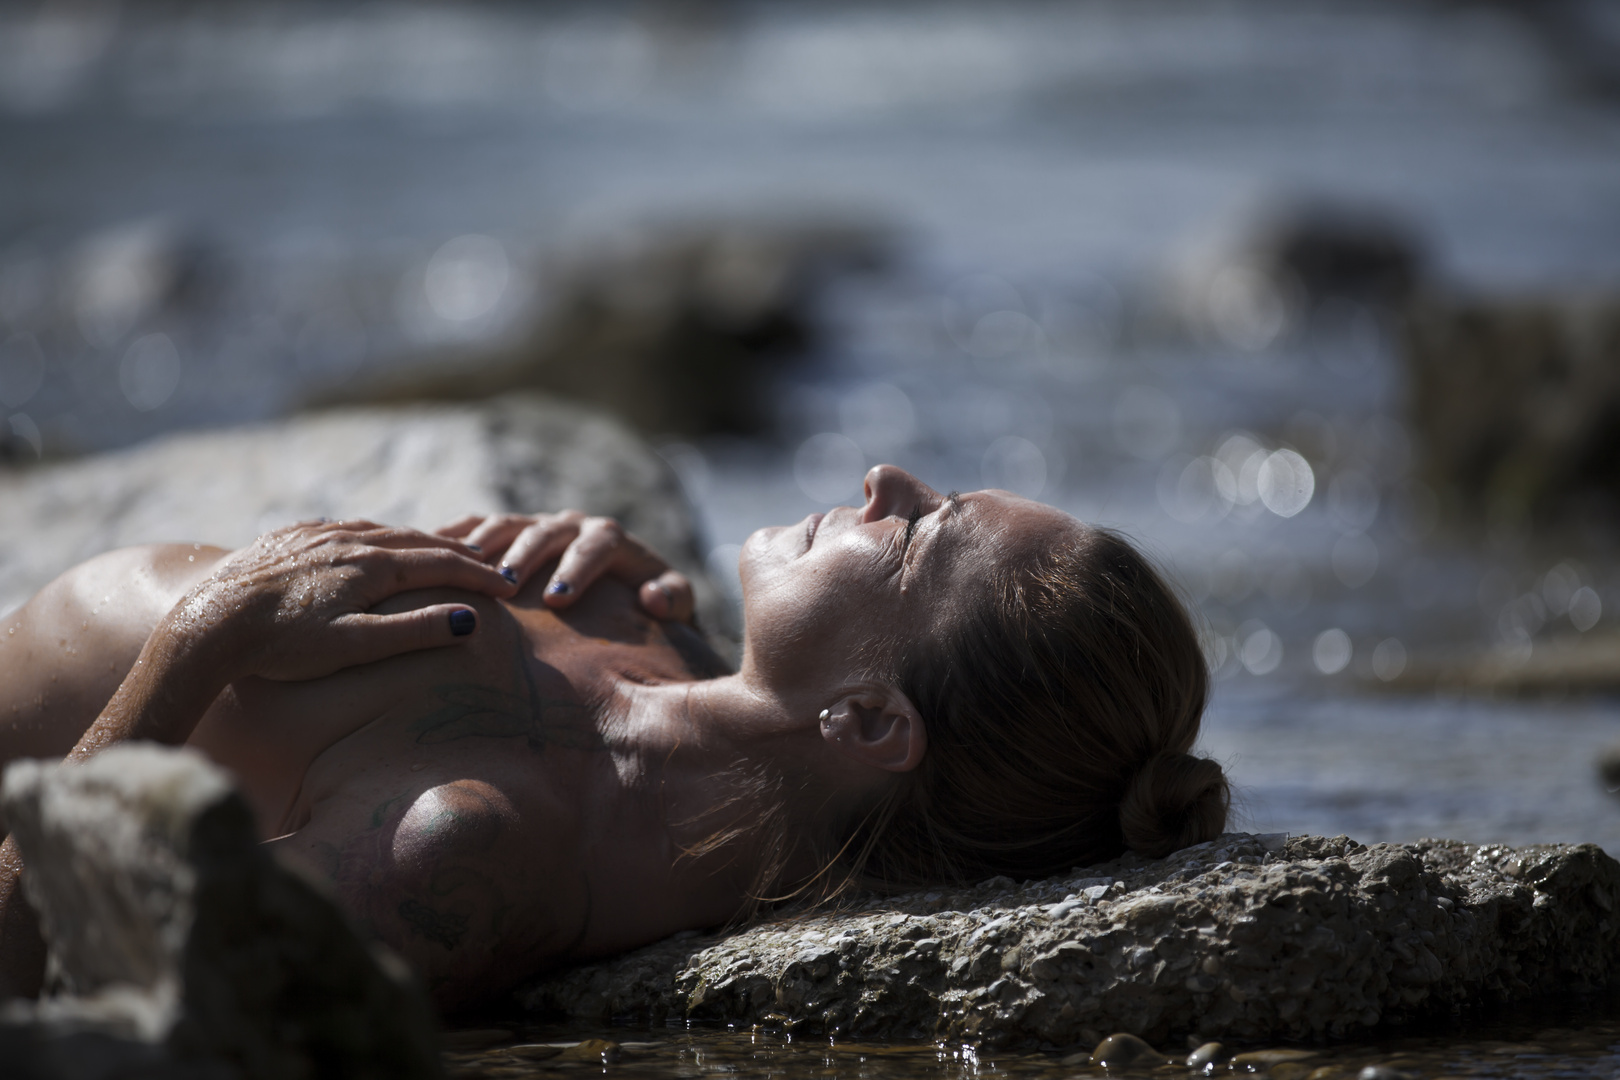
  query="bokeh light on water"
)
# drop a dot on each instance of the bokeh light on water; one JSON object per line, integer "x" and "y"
{"x": 212, "y": 218}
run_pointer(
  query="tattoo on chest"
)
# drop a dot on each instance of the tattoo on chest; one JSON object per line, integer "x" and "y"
{"x": 445, "y": 928}
{"x": 469, "y": 710}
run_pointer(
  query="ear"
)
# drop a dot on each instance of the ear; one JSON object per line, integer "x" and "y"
{"x": 878, "y": 726}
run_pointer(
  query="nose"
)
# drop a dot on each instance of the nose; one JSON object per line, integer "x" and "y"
{"x": 891, "y": 490}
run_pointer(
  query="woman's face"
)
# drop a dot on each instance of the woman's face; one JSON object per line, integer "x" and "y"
{"x": 840, "y": 594}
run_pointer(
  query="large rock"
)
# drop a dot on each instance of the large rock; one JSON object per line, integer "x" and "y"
{"x": 421, "y": 466}
{"x": 1516, "y": 407}
{"x": 1245, "y": 937}
{"x": 674, "y": 329}
{"x": 178, "y": 945}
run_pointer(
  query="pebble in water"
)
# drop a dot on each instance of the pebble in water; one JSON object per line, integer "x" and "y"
{"x": 1381, "y": 1072}
{"x": 1269, "y": 1059}
{"x": 1209, "y": 1055}
{"x": 1123, "y": 1050}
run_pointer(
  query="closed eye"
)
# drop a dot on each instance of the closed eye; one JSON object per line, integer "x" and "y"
{"x": 911, "y": 525}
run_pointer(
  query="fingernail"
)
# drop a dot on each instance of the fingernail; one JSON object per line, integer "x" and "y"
{"x": 463, "y": 622}
{"x": 509, "y": 574}
{"x": 559, "y": 588}
{"x": 475, "y": 547}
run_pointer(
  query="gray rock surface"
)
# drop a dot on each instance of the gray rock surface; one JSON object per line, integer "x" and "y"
{"x": 422, "y": 466}
{"x": 178, "y": 945}
{"x": 1245, "y": 937}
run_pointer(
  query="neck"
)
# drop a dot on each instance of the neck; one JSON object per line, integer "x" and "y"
{"x": 733, "y": 776}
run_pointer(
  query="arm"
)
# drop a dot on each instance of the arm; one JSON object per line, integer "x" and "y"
{"x": 293, "y": 605}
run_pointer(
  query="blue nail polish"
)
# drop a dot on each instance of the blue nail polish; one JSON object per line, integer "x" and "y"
{"x": 463, "y": 622}
{"x": 559, "y": 588}
{"x": 475, "y": 547}
{"x": 509, "y": 574}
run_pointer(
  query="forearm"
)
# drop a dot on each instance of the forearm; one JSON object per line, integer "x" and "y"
{"x": 171, "y": 685}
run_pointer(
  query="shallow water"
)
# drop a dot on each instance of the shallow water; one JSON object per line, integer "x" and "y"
{"x": 1577, "y": 1037}
{"x": 1073, "y": 153}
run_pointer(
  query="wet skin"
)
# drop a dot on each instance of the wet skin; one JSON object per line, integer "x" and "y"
{"x": 464, "y": 801}
{"x": 532, "y": 793}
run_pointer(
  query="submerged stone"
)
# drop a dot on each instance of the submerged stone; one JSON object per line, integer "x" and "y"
{"x": 1211, "y": 1053}
{"x": 1381, "y": 1072}
{"x": 1244, "y": 937}
{"x": 1124, "y": 1050}
{"x": 1267, "y": 1059}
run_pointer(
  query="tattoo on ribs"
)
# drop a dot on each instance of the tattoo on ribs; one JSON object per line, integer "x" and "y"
{"x": 440, "y": 927}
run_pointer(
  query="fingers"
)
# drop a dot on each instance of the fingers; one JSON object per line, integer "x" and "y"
{"x": 394, "y": 571}
{"x": 542, "y": 542}
{"x": 496, "y": 534}
{"x": 367, "y": 638}
{"x": 602, "y": 547}
{"x": 459, "y": 528}
{"x": 668, "y": 597}
{"x": 393, "y": 537}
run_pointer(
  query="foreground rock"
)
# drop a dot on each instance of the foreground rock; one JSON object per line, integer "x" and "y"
{"x": 421, "y": 466}
{"x": 179, "y": 946}
{"x": 1245, "y": 937}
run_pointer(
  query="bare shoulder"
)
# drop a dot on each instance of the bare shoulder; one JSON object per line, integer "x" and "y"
{"x": 63, "y": 654}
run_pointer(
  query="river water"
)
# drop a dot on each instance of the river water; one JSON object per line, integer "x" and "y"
{"x": 1051, "y": 175}
{"x": 1564, "y": 1040}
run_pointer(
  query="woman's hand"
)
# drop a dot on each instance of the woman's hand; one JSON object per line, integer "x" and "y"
{"x": 296, "y": 603}
{"x": 586, "y": 548}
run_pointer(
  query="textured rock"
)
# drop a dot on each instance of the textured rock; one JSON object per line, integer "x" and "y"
{"x": 422, "y": 466}
{"x": 176, "y": 942}
{"x": 1243, "y": 937}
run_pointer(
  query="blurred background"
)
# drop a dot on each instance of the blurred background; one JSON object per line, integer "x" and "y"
{"x": 1318, "y": 301}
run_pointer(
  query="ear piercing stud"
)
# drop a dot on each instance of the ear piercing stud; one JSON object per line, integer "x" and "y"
{"x": 825, "y": 713}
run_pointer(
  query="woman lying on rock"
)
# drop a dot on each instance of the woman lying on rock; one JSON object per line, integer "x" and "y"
{"x": 507, "y": 748}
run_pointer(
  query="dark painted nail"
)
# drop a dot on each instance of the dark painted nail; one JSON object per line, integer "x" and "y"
{"x": 559, "y": 588}
{"x": 475, "y": 547}
{"x": 463, "y": 622}
{"x": 509, "y": 574}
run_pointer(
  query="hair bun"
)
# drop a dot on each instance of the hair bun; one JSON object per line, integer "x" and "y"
{"x": 1174, "y": 801}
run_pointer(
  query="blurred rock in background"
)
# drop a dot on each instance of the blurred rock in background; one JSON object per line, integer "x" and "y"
{"x": 1515, "y": 407}
{"x": 673, "y": 330}
{"x": 1261, "y": 277}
